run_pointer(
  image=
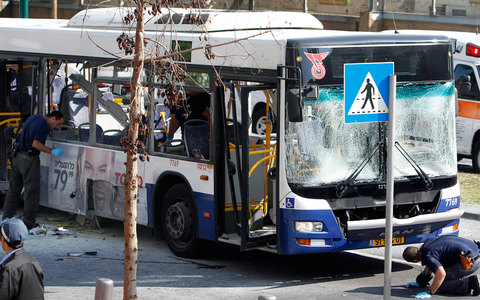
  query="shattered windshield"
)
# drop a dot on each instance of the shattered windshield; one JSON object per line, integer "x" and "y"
{"x": 324, "y": 150}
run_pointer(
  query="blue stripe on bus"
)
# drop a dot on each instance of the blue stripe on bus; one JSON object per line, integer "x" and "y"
{"x": 449, "y": 203}
{"x": 150, "y": 187}
{"x": 206, "y": 215}
{"x": 332, "y": 235}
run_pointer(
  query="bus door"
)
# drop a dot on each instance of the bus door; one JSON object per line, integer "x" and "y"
{"x": 17, "y": 90}
{"x": 248, "y": 158}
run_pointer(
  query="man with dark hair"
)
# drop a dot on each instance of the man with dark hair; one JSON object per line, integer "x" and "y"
{"x": 195, "y": 107}
{"x": 26, "y": 165}
{"x": 452, "y": 260}
{"x": 21, "y": 276}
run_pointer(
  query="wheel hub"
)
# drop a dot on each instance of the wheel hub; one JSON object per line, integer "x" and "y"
{"x": 176, "y": 221}
{"x": 262, "y": 125}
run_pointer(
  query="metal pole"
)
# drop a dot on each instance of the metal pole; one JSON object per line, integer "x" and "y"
{"x": 434, "y": 9}
{"x": 23, "y": 9}
{"x": 387, "y": 283}
{"x": 251, "y": 4}
{"x": 54, "y": 9}
{"x": 104, "y": 289}
{"x": 305, "y": 5}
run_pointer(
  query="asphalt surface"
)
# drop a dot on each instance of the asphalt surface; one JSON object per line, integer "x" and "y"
{"x": 224, "y": 273}
{"x": 72, "y": 261}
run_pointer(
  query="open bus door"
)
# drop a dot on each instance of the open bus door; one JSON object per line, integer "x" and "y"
{"x": 248, "y": 159}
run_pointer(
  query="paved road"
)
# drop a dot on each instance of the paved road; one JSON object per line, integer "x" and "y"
{"x": 224, "y": 273}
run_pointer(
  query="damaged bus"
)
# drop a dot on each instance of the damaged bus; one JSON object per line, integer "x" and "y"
{"x": 314, "y": 184}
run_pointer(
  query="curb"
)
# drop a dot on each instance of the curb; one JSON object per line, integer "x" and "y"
{"x": 471, "y": 216}
{"x": 472, "y": 211}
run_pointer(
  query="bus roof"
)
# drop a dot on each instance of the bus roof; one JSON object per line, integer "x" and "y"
{"x": 85, "y": 38}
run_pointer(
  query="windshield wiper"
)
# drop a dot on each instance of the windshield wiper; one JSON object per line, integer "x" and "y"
{"x": 428, "y": 182}
{"x": 344, "y": 185}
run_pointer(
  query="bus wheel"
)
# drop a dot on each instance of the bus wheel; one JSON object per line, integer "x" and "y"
{"x": 178, "y": 224}
{"x": 476, "y": 157}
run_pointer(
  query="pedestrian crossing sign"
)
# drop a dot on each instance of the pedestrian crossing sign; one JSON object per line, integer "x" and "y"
{"x": 366, "y": 92}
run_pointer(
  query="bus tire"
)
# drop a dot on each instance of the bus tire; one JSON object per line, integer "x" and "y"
{"x": 476, "y": 157}
{"x": 178, "y": 223}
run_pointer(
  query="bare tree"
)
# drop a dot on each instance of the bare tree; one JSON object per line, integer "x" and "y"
{"x": 131, "y": 145}
{"x": 166, "y": 67}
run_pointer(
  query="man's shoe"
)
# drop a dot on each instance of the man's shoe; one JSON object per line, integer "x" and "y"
{"x": 473, "y": 285}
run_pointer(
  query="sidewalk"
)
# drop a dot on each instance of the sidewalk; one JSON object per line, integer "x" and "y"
{"x": 472, "y": 211}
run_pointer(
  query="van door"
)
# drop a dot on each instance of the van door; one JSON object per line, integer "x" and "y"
{"x": 468, "y": 120}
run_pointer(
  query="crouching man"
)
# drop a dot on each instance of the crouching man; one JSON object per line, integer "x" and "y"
{"x": 21, "y": 276}
{"x": 452, "y": 261}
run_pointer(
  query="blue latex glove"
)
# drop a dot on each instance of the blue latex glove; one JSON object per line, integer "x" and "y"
{"x": 57, "y": 151}
{"x": 412, "y": 285}
{"x": 168, "y": 139}
{"x": 424, "y": 295}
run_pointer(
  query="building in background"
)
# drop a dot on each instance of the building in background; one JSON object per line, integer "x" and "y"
{"x": 356, "y": 15}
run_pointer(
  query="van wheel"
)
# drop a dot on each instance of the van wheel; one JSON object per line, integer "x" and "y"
{"x": 259, "y": 121}
{"x": 476, "y": 157}
{"x": 178, "y": 222}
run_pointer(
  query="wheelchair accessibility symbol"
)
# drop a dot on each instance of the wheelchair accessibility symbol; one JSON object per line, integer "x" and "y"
{"x": 290, "y": 202}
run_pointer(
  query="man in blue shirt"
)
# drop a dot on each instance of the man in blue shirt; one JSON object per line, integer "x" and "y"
{"x": 453, "y": 261}
{"x": 26, "y": 165}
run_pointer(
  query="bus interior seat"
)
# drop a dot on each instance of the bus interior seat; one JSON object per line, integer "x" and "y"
{"x": 175, "y": 147}
{"x": 197, "y": 138}
{"x": 84, "y": 132}
{"x": 64, "y": 132}
{"x": 112, "y": 137}
{"x": 63, "y": 106}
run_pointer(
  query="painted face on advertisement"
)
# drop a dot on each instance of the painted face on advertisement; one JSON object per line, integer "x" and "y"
{"x": 103, "y": 197}
{"x": 98, "y": 164}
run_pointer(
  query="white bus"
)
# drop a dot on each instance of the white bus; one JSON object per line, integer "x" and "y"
{"x": 315, "y": 185}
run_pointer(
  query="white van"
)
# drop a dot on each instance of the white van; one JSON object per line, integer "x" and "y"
{"x": 466, "y": 60}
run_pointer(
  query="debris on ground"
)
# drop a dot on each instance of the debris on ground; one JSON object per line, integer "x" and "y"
{"x": 61, "y": 231}
{"x": 39, "y": 230}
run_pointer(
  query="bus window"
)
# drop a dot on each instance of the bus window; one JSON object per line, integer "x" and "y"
{"x": 112, "y": 130}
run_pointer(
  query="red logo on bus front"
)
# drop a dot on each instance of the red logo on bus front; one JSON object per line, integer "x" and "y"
{"x": 318, "y": 69}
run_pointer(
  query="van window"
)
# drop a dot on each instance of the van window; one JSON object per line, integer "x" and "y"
{"x": 466, "y": 82}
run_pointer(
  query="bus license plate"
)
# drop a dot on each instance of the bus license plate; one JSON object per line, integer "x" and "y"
{"x": 381, "y": 242}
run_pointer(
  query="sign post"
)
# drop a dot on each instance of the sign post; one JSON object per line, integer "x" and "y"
{"x": 370, "y": 93}
{"x": 390, "y": 188}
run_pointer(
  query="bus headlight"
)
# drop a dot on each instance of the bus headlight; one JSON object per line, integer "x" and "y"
{"x": 309, "y": 226}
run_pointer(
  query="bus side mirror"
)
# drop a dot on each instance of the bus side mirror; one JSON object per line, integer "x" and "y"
{"x": 310, "y": 92}
{"x": 294, "y": 105}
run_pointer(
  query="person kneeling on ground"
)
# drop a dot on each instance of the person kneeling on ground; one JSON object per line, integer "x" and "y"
{"x": 21, "y": 276}
{"x": 452, "y": 260}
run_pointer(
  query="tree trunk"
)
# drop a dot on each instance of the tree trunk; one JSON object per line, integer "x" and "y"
{"x": 131, "y": 183}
